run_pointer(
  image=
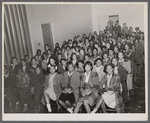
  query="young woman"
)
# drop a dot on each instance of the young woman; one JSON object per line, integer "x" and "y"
{"x": 111, "y": 95}
{"x": 52, "y": 61}
{"x": 89, "y": 88}
{"x": 81, "y": 55}
{"x": 90, "y": 51}
{"x": 99, "y": 49}
{"x": 116, "y": 51}
{"x": 95, "y": 55}
{"x": 80, "y": 65}
{"x": 72, "y": 78}
{"x": 87, "y": 57}
{"x": 119, "y": 69}
{"x": 62, "y": 67}
{"x": 99, "y": 68}
{"x": 106, "y": 59}
{"x": 127, "y": 65}
{"x": 111, "y": 54}
{"x": 74, "y": 59}
{"x": 54, "y": 83}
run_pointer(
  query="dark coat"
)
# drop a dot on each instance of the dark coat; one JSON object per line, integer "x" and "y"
{"x": 114, "y": 86}
{"x": 61, "y": 70}
{"x": 75, "y": 82}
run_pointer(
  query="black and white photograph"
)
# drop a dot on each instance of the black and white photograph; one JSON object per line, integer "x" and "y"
{"x": 74, "y": 61}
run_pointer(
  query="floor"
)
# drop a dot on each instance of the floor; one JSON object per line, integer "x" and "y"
{"x": 136, "y": 104}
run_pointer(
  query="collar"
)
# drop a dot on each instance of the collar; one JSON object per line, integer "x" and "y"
{"x": 70, "y": 74}
{"x": 106, "y": 59}
{"x": 34, "y": 66}
{"x": 88, "y": 74}
{"x": 109, "y": 75}
{"x": 122, "y": 60}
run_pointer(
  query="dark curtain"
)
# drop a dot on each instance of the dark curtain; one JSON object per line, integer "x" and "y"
{"x": 17, "y": 40}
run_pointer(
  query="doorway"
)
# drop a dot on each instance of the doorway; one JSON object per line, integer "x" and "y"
{"x": 48, "y": 35}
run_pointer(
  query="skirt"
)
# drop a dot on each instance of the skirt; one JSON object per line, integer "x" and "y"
{"x": 91, "y": 98}
{"x": 109, "y": 99}
{"x": 129, "y": 82}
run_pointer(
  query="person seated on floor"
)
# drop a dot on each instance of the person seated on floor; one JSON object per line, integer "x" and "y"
{"x": 67, "y": 100}
{"x": 89, "y": 88}
{"x": 54, "y": 83}
{"x": 110, "y": 91}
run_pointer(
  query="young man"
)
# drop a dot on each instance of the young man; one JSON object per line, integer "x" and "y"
{"x": 72, "y": 78}
{"x": 125, "y": 28}
{"x": 62, "y": 67}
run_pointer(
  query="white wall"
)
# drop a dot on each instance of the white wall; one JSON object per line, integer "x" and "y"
{"x": 132, "y": 15}
{"x": 67, "y": 21}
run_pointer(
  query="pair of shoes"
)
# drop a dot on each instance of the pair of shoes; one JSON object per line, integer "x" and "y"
{"x": 37, "y": 109}
{"x": 70, "y": 110}
{"x": 94, "y": 111}
{"x": 10, "y": 108}
{"x": 17, "y": 107}
{"x": 25, "y": 108}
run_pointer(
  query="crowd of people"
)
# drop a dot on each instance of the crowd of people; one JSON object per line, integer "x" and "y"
{"x": 91, "y": 73}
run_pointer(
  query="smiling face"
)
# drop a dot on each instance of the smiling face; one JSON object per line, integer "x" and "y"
{"x": 81, "y": 52}
{"x": 98, "y": 63}
{"x": 114, "y": 61}
{"x": 63, "y": 62}
{"x": 23, "y": 63}
{"x": 109, "y": 69}
{"x": 80, "y": 64}
{"x": 74, "y": 57}
{"x": 87, "y": 68}
{"x": 14, "y": 61}
{"x": 52, "y": 61}
{"x": 105, "y": 56}
{"x": 120, "y": 55}
{"x": 95, "y": 52}
{"x": 70, "y": 68}
{"x": 52, "y": 70}
{"x": 34, "y": 62}
{"x": 87, "y": 58}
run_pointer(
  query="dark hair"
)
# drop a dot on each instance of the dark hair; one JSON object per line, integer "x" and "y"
{"x": 97, "y": 60}
{"x": 38, "y": 51}
{"x": 53, "y": 59}
{"x": 105, "y": 53}
{"x": 87, "y": 54}
{"x": 110, "y": 64}
{"x": 63, "y": 59}
{"x": 114, "y": 58}
{"x": 81, "y": 49}
{"x": 26, "y": 56}
{"x": 33, "y": 58}
{"x": 72, "y": 55}
{"x": 48, "y": 69}
{"x": 95, "y": 49}
{"x": 46, "y": 45}
{"x": 82, "y": 61}
{"x": 14, "y": 57}
{"x": 88, "y": 63}
{"x": 89, "y": 48}
{"x": 49, "y": 50}
{"x": 69, "y": 63}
